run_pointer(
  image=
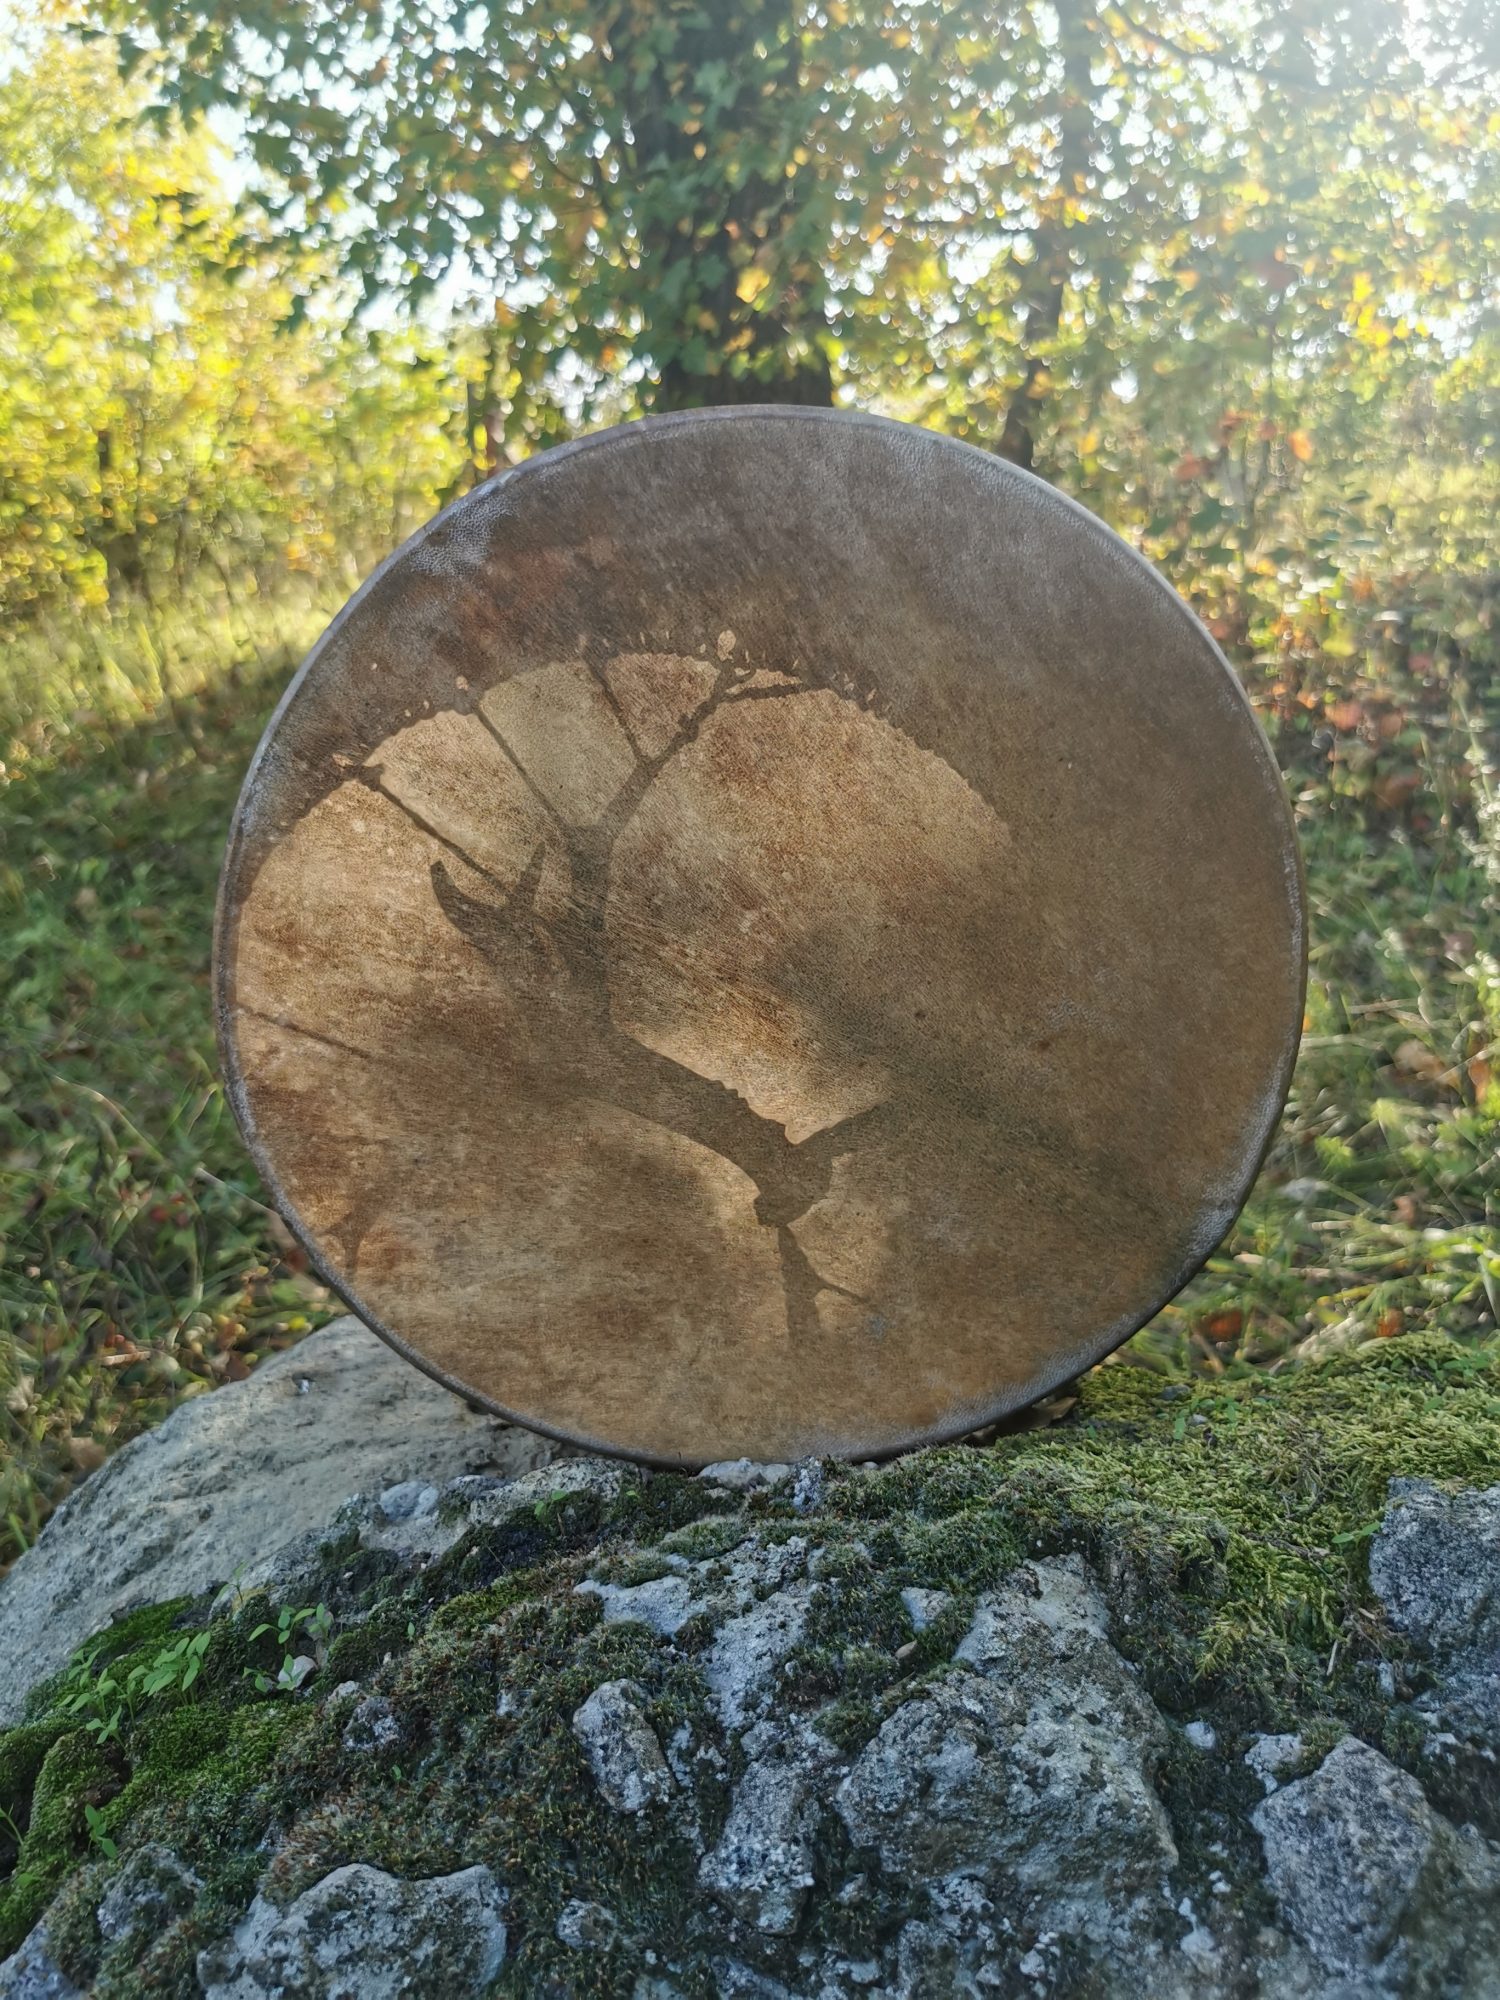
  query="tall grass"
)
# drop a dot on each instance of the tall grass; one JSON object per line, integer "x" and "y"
{"x": 139, "y": 1264}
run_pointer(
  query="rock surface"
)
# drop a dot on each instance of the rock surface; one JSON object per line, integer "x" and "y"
{"x": 622, "y": 1748}
{"x": 1033, "y": 1764}
{"x": 32, "y": 1974}
{"x": 981, "y": 1723}
{"x": 231, "y": 1476}
{"x": 150, "y": 1892}
{"x": 1434, "y": 1566}
{"x": 1372, "y": 1879}
{"x": 363, "y": 1934}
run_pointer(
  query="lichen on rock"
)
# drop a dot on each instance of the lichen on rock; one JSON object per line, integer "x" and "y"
{"x": 623, "y": 1750}
{"x": 1152, "y": 1702}
{"x": 1034, "y": 1761}
{"x": 362, "y": 1932}
{"x": 1370, "y": 1878}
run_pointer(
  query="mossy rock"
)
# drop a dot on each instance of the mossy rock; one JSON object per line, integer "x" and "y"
{"x": 1226, "y": 1528}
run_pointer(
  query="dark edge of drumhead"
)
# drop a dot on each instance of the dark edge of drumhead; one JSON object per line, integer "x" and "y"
{"x": 1069, "y": 1364}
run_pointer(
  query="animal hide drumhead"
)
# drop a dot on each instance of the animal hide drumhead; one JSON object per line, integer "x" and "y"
{"x": 760, "y": 932}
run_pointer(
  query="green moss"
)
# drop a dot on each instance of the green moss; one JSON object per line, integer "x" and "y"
{"x": 131, "y": 1640}
{"x": 554, "y": 1527}
{"x": 73, "y": 1938}
{"x": 648, "y": 1510}
{"x": 711, "y": 1535}
{"x": 74, "y": 1774}
{"x": 473, "y": 1610}
{"x": 22, "y": 1751}
{"x": 1233, "y": 1519}
{"x": 205, "y": 1755}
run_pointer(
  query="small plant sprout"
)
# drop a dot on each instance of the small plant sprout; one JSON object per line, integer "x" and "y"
{"x": 314, "y": 1624}
{"x": 102, "y": 1701}
{"x": 97, "y": 1834}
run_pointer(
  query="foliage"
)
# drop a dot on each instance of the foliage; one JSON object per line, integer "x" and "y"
{"x": 734, "y": 200}
{"x": 155, "y": 418}
{"x": 1377, "y": 1208}
{"x": 315, "y": 1624}
{"x": 1245, "y": 1508}
{"x": 1224, "y": 273}
{"x": 101, "y": 1702}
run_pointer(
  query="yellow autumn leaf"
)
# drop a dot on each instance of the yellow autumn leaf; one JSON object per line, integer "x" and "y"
{"x": 1301, "y": 445}
{"x": 751, "y": 283}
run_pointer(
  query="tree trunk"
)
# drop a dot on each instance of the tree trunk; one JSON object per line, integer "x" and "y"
{"x": 802, "y": 382}
{"x": 1051, "y": 271}
{"x": 755, "y": 43}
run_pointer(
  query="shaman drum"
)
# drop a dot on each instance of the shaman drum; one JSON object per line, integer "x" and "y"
{"x": 760, "y": 932}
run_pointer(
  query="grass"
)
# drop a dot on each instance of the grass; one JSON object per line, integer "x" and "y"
{"x": 1377, "y": 1208}
{"x": 140, "y": 1265}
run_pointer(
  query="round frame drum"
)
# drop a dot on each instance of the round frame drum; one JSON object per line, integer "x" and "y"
{"x": 761, "y": 932}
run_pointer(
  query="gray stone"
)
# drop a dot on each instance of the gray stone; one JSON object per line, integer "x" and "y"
{"x": 230, "y": 1475}
{"x": 1009, "y": 1801}
{"x": 624, "y": 1752}
{"x": 978, "y": 1778}
{"x": 748, "y": 1652}
{"x": 360, "y": 1934}
{"x": 1273, "y": 1758}
{"x": 31, "y": 1973}
{"x": 151, "y": 1891}
{"x": 842, "y": 1973}
{"x": 1371, "y": 1879}
{"x": 409, "y": 1497}
{"x": 375, "y": 1728}
{"x": 722, "y": 1586}
{"x": 421, "y": 1522}
{"x": 1035, "y": 1765}
{"x": 762, "y": 1867}
{"x": 1044, "y": 1610}
{"x": 665, "y": 1604}
{"x": 745, "y": 1475}
{"x": 734, "y": 1981}
{"x": 956, "y": 1950}
{"x": 1199, "y": 1944}
{"x": 923, "y": 1606}
{"x": 494, "y": 1503}
{"x": 1435, "y": 1565}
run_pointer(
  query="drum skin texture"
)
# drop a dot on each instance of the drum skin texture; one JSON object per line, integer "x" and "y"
{"x": 763, "y": 932}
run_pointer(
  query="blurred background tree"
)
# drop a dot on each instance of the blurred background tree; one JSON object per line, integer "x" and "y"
{"x": 1226, "y": 271}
